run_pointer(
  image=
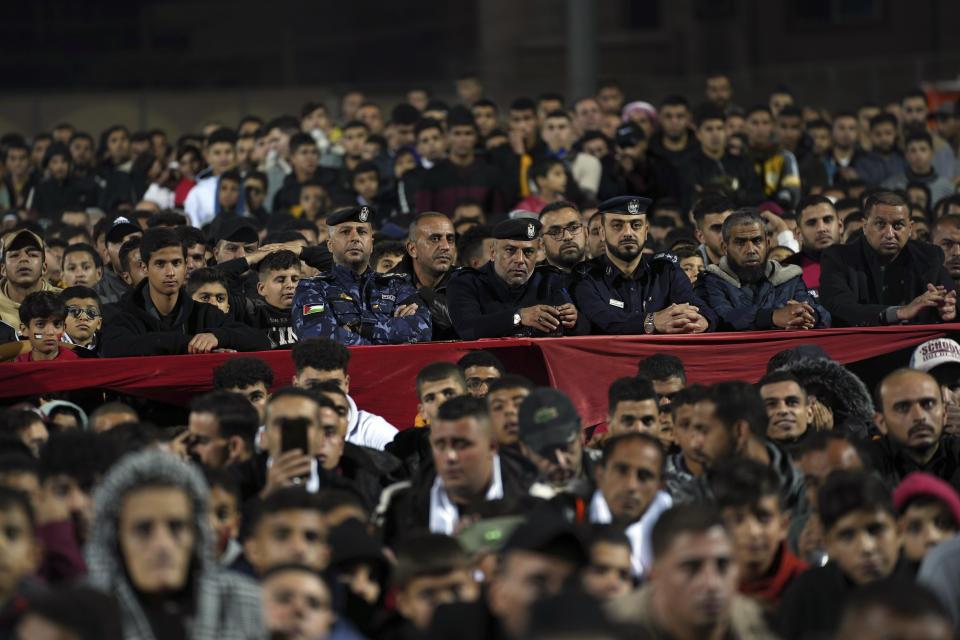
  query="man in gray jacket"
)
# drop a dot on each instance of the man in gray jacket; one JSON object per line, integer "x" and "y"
{"x": 152, "y": 548}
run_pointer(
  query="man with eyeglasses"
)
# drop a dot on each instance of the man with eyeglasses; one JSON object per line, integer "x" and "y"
{"x": 627, "y": 292}
{"x": 84, "y": 319}
{"x": 564, "y": 237}
{"x": 511, "y": 295}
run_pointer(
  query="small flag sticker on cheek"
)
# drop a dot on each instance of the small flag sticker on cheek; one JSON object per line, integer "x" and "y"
{"x": 312, "y": 308}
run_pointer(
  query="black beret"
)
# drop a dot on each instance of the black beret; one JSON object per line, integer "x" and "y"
{"x": 517, "y": 229}
{"x": 354, "y": 214}
{"x": 626, "y": 205}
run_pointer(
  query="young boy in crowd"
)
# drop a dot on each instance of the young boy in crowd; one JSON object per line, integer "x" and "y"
{"x": 298, "y": 603}
{"x": 209, "y": 285}
{"x": 551, "y": 181}
{"x": 84, "y": 318}
{"x": 748, "y": 495}
{"x": 42, "y": 316}
{"x": 228, "y": 192}
{"x": 279, "y": 274}
{"x": 223, "y": 503}
{"x": 82, "y": 266}
{"x": 386, "y": 255}
{"x": 928, "y": 512}
{"x": 19, "y": 556}
{"x": 862, "y": 542}
{"x": 365, "y": 182}
{"x": 314, "y": 201}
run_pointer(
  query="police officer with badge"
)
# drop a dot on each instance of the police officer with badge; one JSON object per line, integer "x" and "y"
{"x": 510, "y": 295}
{"x": 352, "y": 303}
{"x": 625, "y": 291}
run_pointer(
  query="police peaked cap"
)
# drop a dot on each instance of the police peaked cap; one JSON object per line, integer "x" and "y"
{"x": 626, "y": 205}
{"x": 517, "y": 229}
{"x": 354, "y": 214}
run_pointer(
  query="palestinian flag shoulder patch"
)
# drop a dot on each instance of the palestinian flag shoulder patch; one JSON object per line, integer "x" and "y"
{"x": 309, "y": 309}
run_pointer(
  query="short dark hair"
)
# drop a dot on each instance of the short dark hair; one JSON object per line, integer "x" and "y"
{"x": 11, "y": 499}
{"x": 81, "y": 247}
{"x": 780, "y": 376}
{"x": 234, "y": 413}
{"x": 523, "y": 104}
{"x": 917, "y": 135}
{"x": 470, "y": 242}
{"x": 364, "y": 166}
{"x": 284, "y": 499}
{"x": 607, "y": 533}
{"x": 425, "y": 124}
{"x": 542, "y": 167}
{"x": 480, "y": 358}
{"x": 711, "y": 204}
{"x": 298, "y": 140}
{"x": 159, "y": 238}
{"x": 661, "y": 366}
{"x": 708, "y": 111}
{"x": 437, "y": 371}
{"x": 813, "y": 200}
{"x": 13, "y": 421}
{"x": 675, "y": 100}
{"x": 167, "y": 218}
{"x": 223, "y": 134}
{"x": 735, "y": 400}
{"x": 688, "y": 396}
{"x": 191, "y": 236}
{"x": 883, "y": 117}
{"x": 278, "y": 261}
{"x": 914, "y": 93}
{"x": 79, "y": 291}
{"x": 818, "y": 124}
{"x": 904, "y": 598}
{"x": 510, "y": 381}
{"x": 889, "y": 198}
{"x": 686, "y": 518}
{"x": 610, "y": 446}
{"x": 202, "y": 276}
{"x": 844, "y": 491}
{"x": 741, "y": 217}
{"x": 81, "y": 455}
{"x": 793, "y": 111}
{"x": 486, "y": 102}
{"x": 323, "y": 354}
{"x": 460, "y": 407}
{"x": 128, "y": 247}
{"x": 742, "y": 482}
{"x": 356, "y": 124}
{"x": 557, "y": 206}
{"x": 428, "y": 554}
{"x": 311, "y": 106}
{"x": 460, "y": 116}
{"x": 242, "y": 372}
{"x": 629, "y": 390}
{"x": 387, "y": 248}
{"x": 42, "y": 304}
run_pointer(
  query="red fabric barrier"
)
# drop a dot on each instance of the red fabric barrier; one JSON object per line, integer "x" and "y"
{"x": 382, "y": 377}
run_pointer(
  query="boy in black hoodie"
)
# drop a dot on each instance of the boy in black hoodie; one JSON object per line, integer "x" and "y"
{"x": 158, "y": 318}
{"x": 278, "y": 276}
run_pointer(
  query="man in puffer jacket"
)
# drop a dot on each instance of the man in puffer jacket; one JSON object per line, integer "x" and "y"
{"x": 153, "y": 549}
{"x": 751, "y": 293}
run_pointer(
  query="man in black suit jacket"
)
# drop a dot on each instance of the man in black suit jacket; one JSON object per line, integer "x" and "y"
{"x": 884, "y": 277}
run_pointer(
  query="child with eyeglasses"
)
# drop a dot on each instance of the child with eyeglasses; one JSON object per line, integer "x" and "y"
{"x": 83, "y": 320}
{"x": 42, "y": 315}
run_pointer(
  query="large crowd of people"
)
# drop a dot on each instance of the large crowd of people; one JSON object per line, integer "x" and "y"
{"x": 800, "y": 506}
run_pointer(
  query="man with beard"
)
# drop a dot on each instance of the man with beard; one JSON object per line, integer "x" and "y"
{"x": 750, "y": 293}
{"x": 561, "y": 219}
{"x": 510, "y": 295}
{"x": 820, "y": 227}
{"x": 946, "y": 235}
{"x": 911, "y": 418}
{"x": 627, "y": 292}
{"x": 352, "y": 303}
{"x": 431, "y": 256}
{"x": 884, "y": 277}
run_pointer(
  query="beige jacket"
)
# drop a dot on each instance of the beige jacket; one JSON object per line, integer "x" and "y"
{"x": 10, "y": 310}
{"x": 635, "y": 610}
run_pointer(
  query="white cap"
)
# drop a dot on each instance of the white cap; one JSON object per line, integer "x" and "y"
{"x": 934, "y": 353}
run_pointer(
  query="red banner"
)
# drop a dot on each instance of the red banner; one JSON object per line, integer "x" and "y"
{"x": 382, "y": 377}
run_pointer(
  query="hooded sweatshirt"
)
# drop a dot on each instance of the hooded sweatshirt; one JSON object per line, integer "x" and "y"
{"x": 224, "y": 604}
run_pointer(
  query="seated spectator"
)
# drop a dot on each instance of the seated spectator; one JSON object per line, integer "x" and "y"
{"x": 550, "y": 179}
{"x": 279, "y": 274}
{"x": 692, "y": 591}
{"x": 748, "y": 291}
{"x": 109, "y": 415}
{"x": 84, "y": 318}
{"x": 360, "y": 569}
{"x": 82, "y": 266}
{"x": 60, "y": 189}
{"x": 23, "y": 269}
{"x": 918, "y": 151}
{"x": 668, "y": 377}
{"x": 150, "y": 540}
{"x": 202, "y": 203}
{"x": 42, "y": 316}
{"x": 884, "y": 277}
{"x": 224, "y": 513}
{"x": 71, "y": 612}
{"x": 352, "y": 303}
{"x": 860, "y": 531}
{"x": 132, "y": 269}
{"x": 157, "y": 318}
{"x": 386, "y": 255}
{"x": 911, "y": 417}
{"x": 62, "y": 415}
{"x": 511, "y": 296}
{"x": 788, "y": 408}
{"x": 682, "y": 468}
{"x": 222, "y": 427}
{"x": 928, "y": 512}
{"x": 895, "y": 608}
{"x": 250, "y": 377}
{"x": 209, "y": 286}
{"x": 475, "y": 246}
{"x": 632, "y": 407}
{"x": 558, "y": 219}
{"x": 111, "y": 286}
{"x": 19, "y": 555}
{"x": 820, "y": 227}
{"x": 549, "y": 431}
{"x": 480, "y": 368}
{"x": 609, "y": 575}
{"x": 883, "y": 160}
{"x": 504, "y": 397}
{"x": 286, "y": 526}
{"x": 748, "y": 495}
{"x": 320, "y": 359}
{"x": 691, "y": 261}
{"x": 27, "y": 426}
{"x": 297, "y": 603}
{"x": 431, "y": 258}
{"x": 946, "y": 235}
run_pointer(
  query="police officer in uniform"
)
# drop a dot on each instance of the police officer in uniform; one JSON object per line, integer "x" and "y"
{"x": 511, "y": 295}
{"x": 352, "y": 303}
{"x": 625, "y": 291}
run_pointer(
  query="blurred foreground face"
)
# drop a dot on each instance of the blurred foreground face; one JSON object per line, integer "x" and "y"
{"x": 157, "y": 538}
{"x": 297, "y": 606}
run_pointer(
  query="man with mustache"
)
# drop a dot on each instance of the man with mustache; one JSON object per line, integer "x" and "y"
{"x": 627, "y": 292}
{"x": 510, "y": 295}
{"x": 946, "y": 235}
{"x": 564, "y": 235}
{"x": 431, "y": 256}
{"x": 910, "y": 415}
{"x": 353, "y": 304}
{"x": 751, "y": 293}
{"x": 820, "y": 227}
